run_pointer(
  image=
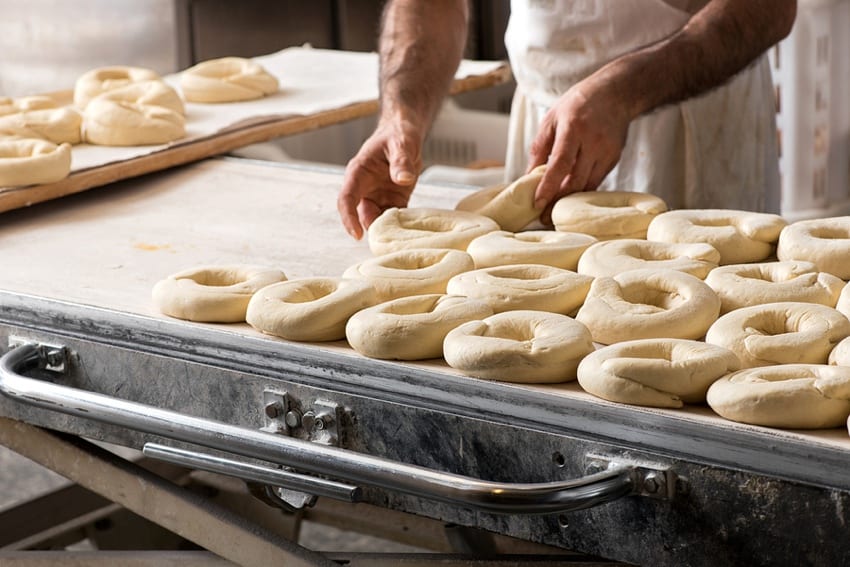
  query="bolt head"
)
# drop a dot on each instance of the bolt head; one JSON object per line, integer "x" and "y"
{"x": 273, "y": 410}
{"x": 293, "y": 418}
{"x": 651, "y": 484}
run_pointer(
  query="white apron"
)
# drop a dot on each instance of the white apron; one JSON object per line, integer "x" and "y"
{"x": 718, "y": 150}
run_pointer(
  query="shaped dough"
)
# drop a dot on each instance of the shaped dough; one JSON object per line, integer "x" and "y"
{"x": 510, "y": 205}
{"x": 547, "y": 247}
{"x": 57, "y": 125}
{"x": 27, "y": 161}
{"x": 612, "y": 257}
{"x": 104, "y": 79}
{"x": 139, "y": 114}
{"x": 607, "y": 214}
{"x": 826, "y": 242}
{"x": 229, "y": 79}
{"x": 403, "y": 229}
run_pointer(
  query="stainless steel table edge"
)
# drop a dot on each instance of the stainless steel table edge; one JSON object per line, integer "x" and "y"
{"x": 756, "y": 450}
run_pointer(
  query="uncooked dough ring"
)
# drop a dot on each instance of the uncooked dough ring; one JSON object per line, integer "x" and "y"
{"x": 612, "y": 257}
{"x": 840, "y": 355}
{"x": 510, "y": 205}
{"x": 745, "y": 285}
{"x": 780, "y": 333}
{"x": 57, "y": 125}
{"x": 843, "y": 304}
{"x": 519, "y": 346}
{"x": 793, "y": 396}
{"x": 607, "y": 214}
{"x": 139, "y": 114}
{"x": 648, "y": 304}
{"x": 532, "y": 287}
{"x": 826, "y": 242}
{"x": 98, "y": 81}
{"x": 213, "y": 294}
{"x": 411, "y": 328}
{"x": 661, "y": 373}
{"x": 402, "y": 229}
{"x": 27, "y": 161}
{"x": 411, "y": 272}
{"x": 309, "y": 309}
{"x": 25, "y": 103}
{"x": 547, "y": 247}
{"x": 739, "y": 236}
{"x": 229, "y": 79}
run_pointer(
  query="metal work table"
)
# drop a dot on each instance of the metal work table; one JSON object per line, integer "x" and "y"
{"x": 544, "y": 464}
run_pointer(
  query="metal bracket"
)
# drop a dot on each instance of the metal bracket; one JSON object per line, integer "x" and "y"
{"x": 649, "y": 479}
{"x": 319, "y": 423}
{"x": 54, "y": 358}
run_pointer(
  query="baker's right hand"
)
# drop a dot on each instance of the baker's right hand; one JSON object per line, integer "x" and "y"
{"x": 382, "y": 175}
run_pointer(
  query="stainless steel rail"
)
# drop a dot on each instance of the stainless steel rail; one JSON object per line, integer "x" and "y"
{"x": 349, "y": 466}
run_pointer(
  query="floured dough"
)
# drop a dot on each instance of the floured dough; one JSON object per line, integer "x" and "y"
{"x": 843, "y": 304}
{"x": 746, "y": 285}
{"x": 309, "y": 309}
{"x": 103, "y": 79}
{"x": 229, "y": 79}
{"x": 840, "y": 355}
{"x": 523, "y": 287}
{"x": 411, "y": 328}
{"x": 25, "y": 103}
{"x": 825, "y": 242}
{"x": 411, "y": 272}
{"x": 660, "y": 373}
{"x": 519, "y": 346}
{"x": 647, "y": 304}
{"x": 794, "y": 396}
{"x": 27, "y": 161}
{"x": 57, "y": 125}
{"x": 214, "y": 294}
{"x": 402, "y": 229}
{"x": 547, "y": 247}
{"x": 739, "y": 236}
{"x": 780, "y": 333}
{"x": 612, "y": 257}
{"x": 607, "y": 214}
{"x": 510, "y": 205}
{"x": 138, "y": 114}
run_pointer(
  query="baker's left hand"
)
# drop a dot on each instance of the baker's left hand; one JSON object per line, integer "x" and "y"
{"x": 580, "y": 139}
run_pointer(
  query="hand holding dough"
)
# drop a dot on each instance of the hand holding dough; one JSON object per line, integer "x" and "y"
{"x": 510, "y": 205}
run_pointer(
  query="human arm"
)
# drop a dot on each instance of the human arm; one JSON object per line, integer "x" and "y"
{"x": 582, "y": 136}
{"x": 420, "y": 47}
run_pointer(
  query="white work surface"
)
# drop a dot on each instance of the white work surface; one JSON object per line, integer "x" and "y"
{"x": 108, "y": 247}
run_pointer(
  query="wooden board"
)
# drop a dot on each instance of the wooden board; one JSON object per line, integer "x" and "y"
{"x": 194, "y": 150}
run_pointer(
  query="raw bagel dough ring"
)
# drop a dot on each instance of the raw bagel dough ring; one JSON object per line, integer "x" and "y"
{"x": 139, "y": 114}
{"x": 511, "y": 205}
{"x": 411, "y": 272}
{"x": 739, "y": 236}
{"x": 826, "y": 242}
{"x": 648, "y": 304}
{"x": 661, "y": 373}
{"x": 213, "y": 294}
{"x": 840, "y": 355}
{"x": 793, "y": 396}
{"x": 745, "y": 285}
{"x": 98, "y": 81}
{"x": 612, "y": 257}
{"x": 533, "y": 287}
{"x": 519, "y": 346}
{"x": 57, "y": 125}
{"x": 411, "y": 328}
{"x": 229, "y": 79}
{"x": 547, "y": 247}
{"x": 26, "y": 103}
{"x": 843, "y": 304}
{"x": 27, "y": 161}
{"x": 309, "y": 309}
{"x": 401, "y": 229}
{"x": 607, "y": 214}
{"x": 780, "y": 333}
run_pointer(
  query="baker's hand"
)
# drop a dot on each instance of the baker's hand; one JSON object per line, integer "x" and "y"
{"x": 580, "y": 139}
{"x": 382, "y": 175}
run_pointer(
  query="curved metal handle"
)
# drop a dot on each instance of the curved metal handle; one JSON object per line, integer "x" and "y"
{"x": 498, "y": 497}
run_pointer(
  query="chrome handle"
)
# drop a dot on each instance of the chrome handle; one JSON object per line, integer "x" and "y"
{"x": 255, "y": 473}
{"x": 506, "y": 498}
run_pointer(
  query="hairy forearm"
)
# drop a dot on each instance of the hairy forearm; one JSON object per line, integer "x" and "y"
{"x": 421, "y": 45}
{"x": 718, "y": 42}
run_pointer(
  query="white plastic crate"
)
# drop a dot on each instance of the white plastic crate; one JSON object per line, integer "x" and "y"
{"x": 811, "y": 71}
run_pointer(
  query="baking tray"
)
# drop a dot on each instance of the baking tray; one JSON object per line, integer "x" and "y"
{"x": 78, "y": 274}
